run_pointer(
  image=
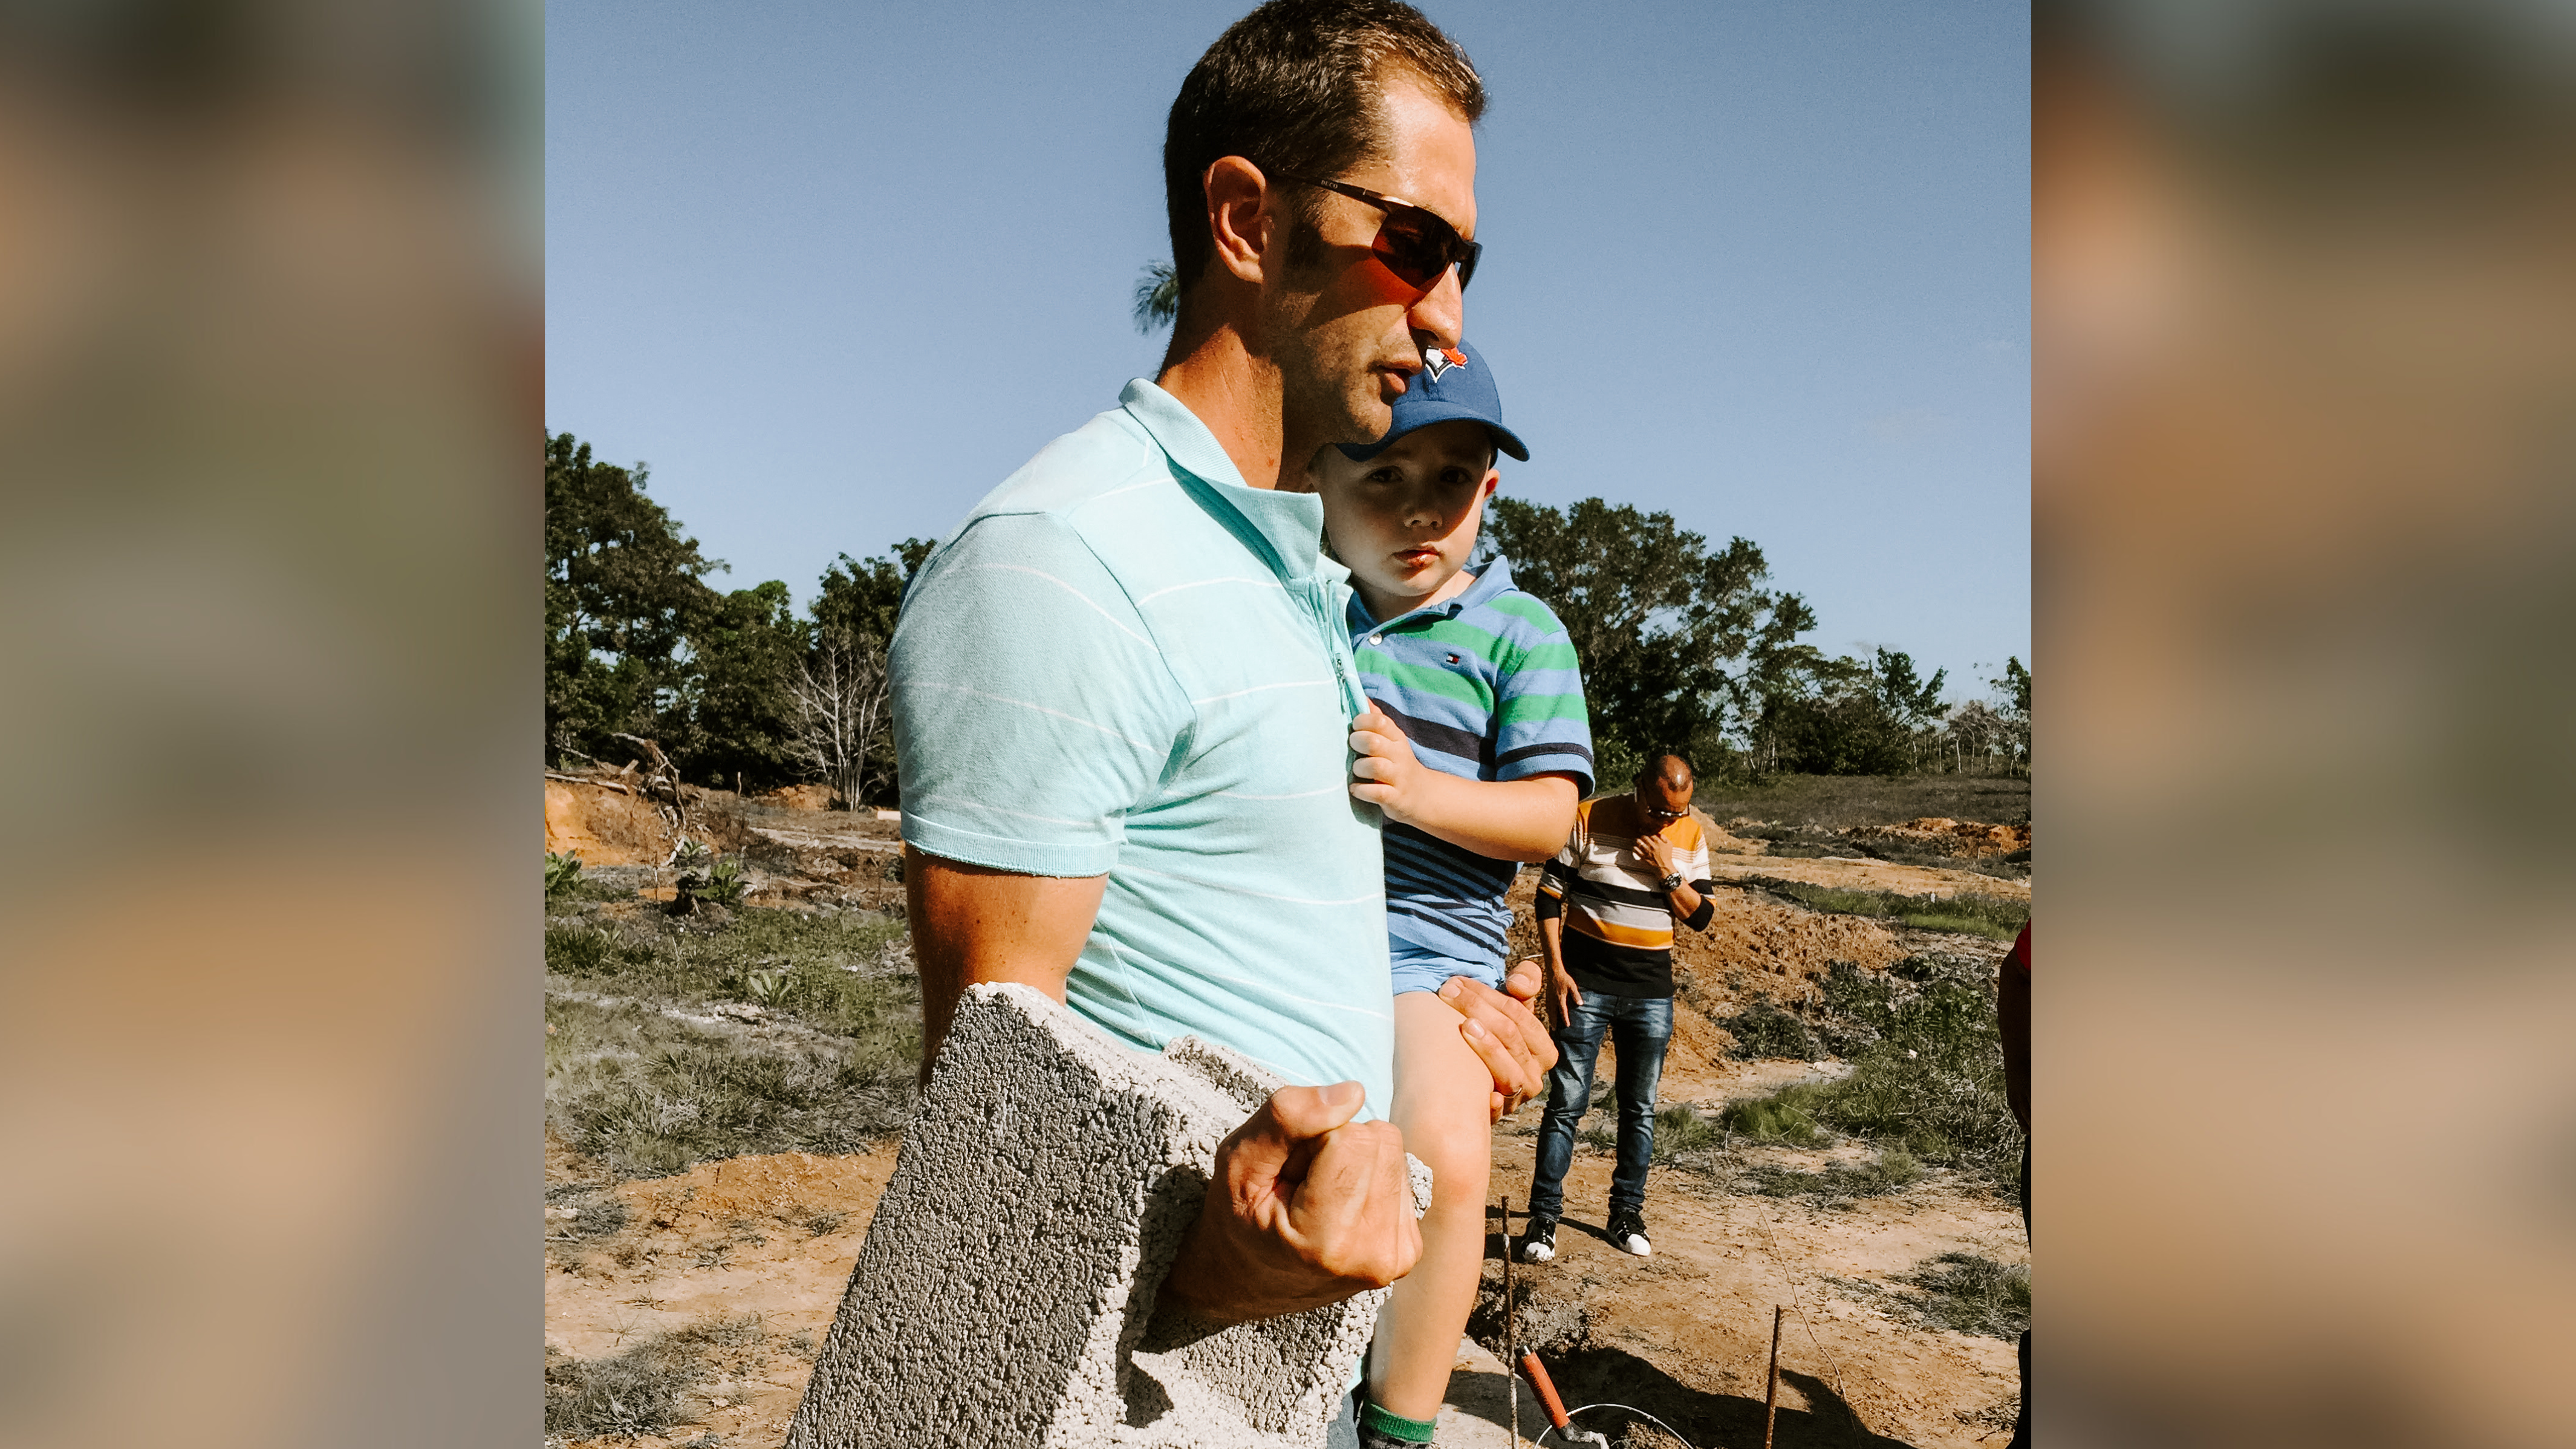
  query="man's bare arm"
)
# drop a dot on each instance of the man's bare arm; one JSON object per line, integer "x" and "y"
{"x": 1309, "y": 1207}
{"x": 971, "y": 924}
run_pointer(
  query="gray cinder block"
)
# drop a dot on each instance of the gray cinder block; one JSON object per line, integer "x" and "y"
{"x": 1005, "y": 1293}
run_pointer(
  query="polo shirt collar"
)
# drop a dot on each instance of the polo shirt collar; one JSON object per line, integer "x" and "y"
{"x": 1493, "y": 579}
{"x": 1289, "y": 527}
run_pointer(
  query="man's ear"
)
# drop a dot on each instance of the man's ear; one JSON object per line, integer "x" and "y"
{"x": 1241, "y": 218}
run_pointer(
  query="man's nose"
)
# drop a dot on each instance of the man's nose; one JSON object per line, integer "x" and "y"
{"x": 1439, "y": 318}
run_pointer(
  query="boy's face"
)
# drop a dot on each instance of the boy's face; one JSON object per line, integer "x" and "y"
{"x": 1405, "y": 520}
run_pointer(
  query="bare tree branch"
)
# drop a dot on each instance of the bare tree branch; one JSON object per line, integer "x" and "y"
{"x": 843, "y": 695}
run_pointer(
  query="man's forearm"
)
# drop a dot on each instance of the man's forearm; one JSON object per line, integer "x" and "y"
{"x": 1551, "y": 942}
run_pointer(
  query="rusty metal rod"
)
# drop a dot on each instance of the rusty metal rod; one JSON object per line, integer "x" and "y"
{"x": 1510, "y": 1341}
{"x": 1771, "y": 1397}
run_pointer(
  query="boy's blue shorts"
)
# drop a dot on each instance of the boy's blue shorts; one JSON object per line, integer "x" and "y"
{"x": 1423, "y": 971}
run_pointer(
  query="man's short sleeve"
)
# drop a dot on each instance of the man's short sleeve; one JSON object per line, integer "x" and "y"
{"x": 1541, "y": 724}
{"x": 1031, "y": 708}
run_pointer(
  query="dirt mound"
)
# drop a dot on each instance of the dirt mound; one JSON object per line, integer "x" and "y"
{"x": 801, "y": 797}
{"x": 604, "y": 826}
{"x": 1752, "y": 947}
{"x": 1771, "y": 946}
{"x": 1969, "y": 839}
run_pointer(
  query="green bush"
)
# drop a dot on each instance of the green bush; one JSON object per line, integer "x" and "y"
{"x": 1932, "y": 1081}
{"x": 1764, "y": 1030}
{"x": 563, "y": 873}
{"x": 1680, "y": 1129}
{"x": 1788, "y": 1117}
{"x": 586, "y": 951}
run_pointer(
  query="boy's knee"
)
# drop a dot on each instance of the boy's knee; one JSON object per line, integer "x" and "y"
{"x": 1457, "y": 1165}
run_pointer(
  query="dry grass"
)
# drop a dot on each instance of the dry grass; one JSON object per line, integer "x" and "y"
{"x": 1839, "y": 802}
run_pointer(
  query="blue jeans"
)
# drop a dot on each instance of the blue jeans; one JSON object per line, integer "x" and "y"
{"x": 1640, "y": 1027}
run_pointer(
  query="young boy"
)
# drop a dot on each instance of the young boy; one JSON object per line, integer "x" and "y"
{"x": 1476, "y": 746}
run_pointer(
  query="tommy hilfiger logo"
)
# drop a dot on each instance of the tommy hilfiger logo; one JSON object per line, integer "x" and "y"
{"x": 1437, "y": 360}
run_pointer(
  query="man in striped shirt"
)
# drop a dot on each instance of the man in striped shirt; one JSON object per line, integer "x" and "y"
{"x": 1634, "y": 864}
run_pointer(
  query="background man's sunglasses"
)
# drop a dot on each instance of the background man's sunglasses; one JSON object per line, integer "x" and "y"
{"x": 1415, "y": 244}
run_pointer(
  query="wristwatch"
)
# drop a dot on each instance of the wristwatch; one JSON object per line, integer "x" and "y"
{"x": 1673, "y": 882}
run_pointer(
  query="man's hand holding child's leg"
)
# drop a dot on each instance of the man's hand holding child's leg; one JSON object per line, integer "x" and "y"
{"x": 1511, "y": 1041}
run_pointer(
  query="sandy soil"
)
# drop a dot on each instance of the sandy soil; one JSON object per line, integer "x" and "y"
{"x": 1856, "y": 873}
{"x": 1685, "y": 1334}
{"x": 1682, "y": 1334}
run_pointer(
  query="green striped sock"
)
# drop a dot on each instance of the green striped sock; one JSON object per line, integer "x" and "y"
{"x": 1396, "y": 1426}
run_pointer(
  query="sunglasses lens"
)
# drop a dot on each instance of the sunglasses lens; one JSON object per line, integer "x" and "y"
{"x": 1407, "y": 253}
{"x": 1418, "y": 246}
{"x": 1467, "y": 264}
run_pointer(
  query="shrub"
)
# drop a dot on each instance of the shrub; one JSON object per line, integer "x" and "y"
{"x": 1973, "y": 1295}
{"x": 1931, "y": 1081}
{"x": 563, "y": 873}
{"x": 579, "y": 951}
{"x": 1764, "y": 1030}
{"x": 638, "y": 1391}
{"x": 1788, "y": 1116}
{"x": 1680, "y": 1129}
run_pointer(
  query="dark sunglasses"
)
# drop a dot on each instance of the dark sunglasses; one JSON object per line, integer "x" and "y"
{"x": 1415, "y": 244}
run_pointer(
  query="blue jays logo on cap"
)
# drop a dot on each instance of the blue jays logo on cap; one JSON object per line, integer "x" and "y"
{"x": 1436, "y": 396}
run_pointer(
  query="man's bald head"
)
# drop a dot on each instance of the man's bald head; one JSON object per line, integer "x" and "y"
{"x": 1665, "y": 784}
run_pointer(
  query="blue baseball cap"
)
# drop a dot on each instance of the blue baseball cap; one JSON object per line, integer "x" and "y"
{"x": 1451, "y": 385}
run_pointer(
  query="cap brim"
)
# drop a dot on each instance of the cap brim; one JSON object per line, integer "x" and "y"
{"x": 1423, "y": 417}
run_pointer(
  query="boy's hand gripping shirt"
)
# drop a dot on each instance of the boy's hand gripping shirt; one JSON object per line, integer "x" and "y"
{"x": 1127, "y": 663}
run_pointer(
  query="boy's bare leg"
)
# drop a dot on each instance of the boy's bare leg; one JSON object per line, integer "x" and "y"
{"x": 1443, "y": 1093}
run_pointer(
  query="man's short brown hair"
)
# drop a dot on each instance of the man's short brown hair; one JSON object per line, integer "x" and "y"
{"x": 1293, "y": 88}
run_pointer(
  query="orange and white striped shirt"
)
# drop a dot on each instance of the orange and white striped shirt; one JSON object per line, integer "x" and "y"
{"x": 1618, "y": 931}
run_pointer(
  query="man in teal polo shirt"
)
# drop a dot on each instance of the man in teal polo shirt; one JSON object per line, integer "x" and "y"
{"x": 1122, "y": 691}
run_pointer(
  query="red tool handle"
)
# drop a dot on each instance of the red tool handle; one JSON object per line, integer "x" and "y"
{"x": 1546, "y": 1391}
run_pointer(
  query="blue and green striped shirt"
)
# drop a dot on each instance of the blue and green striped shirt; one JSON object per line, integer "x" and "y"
{"x": 1487, "y": 687}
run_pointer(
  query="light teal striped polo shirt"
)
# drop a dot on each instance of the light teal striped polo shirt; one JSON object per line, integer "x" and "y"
{"x": 1125, "y": 662}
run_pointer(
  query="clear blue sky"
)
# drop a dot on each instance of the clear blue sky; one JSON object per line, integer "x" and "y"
{"x": 835, "y": 270}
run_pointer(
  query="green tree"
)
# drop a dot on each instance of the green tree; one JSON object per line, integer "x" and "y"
{"x": 1911, "y": 704}
{"x": 743, "y": 652}
{"x": 1158, "y": 297}
{"x": 623, "y": 591}
{"x": 2016, "y": 712}
{"x": 1668, "y": 631}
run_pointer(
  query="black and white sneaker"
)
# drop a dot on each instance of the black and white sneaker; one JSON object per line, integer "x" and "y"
{"x": 1628, "y": 1232}
{"x": 1538, "y": 1239}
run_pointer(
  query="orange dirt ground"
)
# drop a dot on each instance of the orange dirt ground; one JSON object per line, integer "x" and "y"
{"x": 604, "y": 826}
{"x": 1686, "y": 1330}
{"x": 1683, "y": 1332}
